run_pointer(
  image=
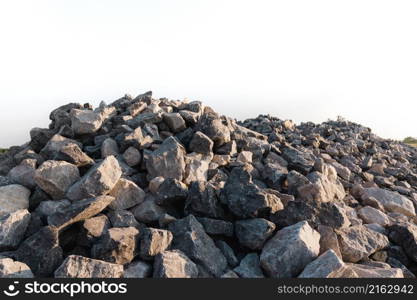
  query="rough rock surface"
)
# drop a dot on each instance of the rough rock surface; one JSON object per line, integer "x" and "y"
{"x": 146, "y": 187}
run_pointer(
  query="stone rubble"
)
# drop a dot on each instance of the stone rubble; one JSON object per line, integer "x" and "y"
{"x": 162, "y": 188}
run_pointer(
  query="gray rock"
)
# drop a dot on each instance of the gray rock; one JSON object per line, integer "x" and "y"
{"x": 12, "y": 229}
{"x": 290, "y": 250}
{"x": 228, "y": 253}
{"x": 171, "y": 191}
{"x": 167, "y": 161}
{"x": 132, "y": 156}
{"x": 253, "y": 233}
{"x": 148, "y": 211}
{"x": 358, "y": 242}
{"x": 99, "y": 180}
{"x": 203, "y": 200}
{"x": 14, "y": 269}
{"x": 23, "y": 174}
{"x": 154, "y": 184}
{"x": 55, "y": 177}
{"x": 245, "y": 199}
{"x": 62, "y": 148}
{"x": 118, "y": 245}
{"x": 75, "y": 266}
{"x": 138, "y": 269}
{"x": 127, "y": 194}
{"x": 364, "y": 271}
{"x": 13, "y": 197}
{"x": 79, "y": 211}
{"x": 372, "y": 215}
{"x": 217, "y": 227}
{"x": 138, "y": 139}
{"x": 249, "y": 267}
{"x": 298, "y": 160}
{"x": 85, "y": 121}
{"x": 174, "y": 121}
{"x": 190, "y": 238}
{"x": 49, "y": 207}
{"x": 405, "y": 235}
{"x": 212, "y": 126}
{"x": 201, "y": 143}
{"x": 93, "y": 229}
{"x": 109, "y": 147}
{"x": 327, "y": 265}
{"x": 174, "y": 264}
{"x": 391, "y": 201}
{"x": 154, "y": 241}
{"x": 122, "y": 218}
{"x": 41, "y": 252}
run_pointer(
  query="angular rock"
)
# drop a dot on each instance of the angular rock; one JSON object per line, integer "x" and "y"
{"x": 13, "y": 197}
{"x": 249, "y": 267}
{"x": 55, "y": 177}
{"x": 79, "y": 211}
{"x": 14, "y": 269}
{"x": 203, "y": 200}
{"x": 212, "y": 126}
{"x": 217, "y": 227}
{"x": 93, "y": 229}
{"x": 85, "y": 121}
{"x": 253, "y": 233}
{"x": 358, "y": 242}
{"x": 290, "y": 250}
{"x": 99, "y": 180}
{"x": 174, "y": 264}
{"x": 12, "y": 229}
{"x": 167, "y": 161}
{"x": 122, "y": 218}
{"x": 75, "y": 266}
{"x": 201, "y": 143}
{"x": 23, "y": 174}
{"x": 154, "y": 241}
{"x": 174, "y": 121}
{"x": 137, "y": 269}
{"x": 49, "y": 207}
{"x": 228, "y": 253}
{"x": 190, "y": 238}
{"x": 148, "y": 211}
{"x": 127, "y": 194}
{"x": 171, "y": 191}
{"x": 245, "y": 199}
{"x": 41, "y": 252}
{"x": 118, "y": 245}
{"x": 375, "y": 272}
{"x": 371, "y": 215}
{"x": 391, "y": 201}
{"x": 327, "y": 265}
{"x": 405, "y": 235}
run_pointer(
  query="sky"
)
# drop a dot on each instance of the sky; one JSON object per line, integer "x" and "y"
{"x": 297, "y": 59}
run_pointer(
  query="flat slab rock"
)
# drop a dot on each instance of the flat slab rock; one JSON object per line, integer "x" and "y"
{"x": 75, "y": 266}
{"x": 14, "y": 269}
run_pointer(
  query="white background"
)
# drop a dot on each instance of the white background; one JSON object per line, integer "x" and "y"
{"x": 301, "y": 60}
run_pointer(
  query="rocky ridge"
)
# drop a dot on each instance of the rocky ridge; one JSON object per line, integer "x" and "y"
{"x": 148, "y": 187}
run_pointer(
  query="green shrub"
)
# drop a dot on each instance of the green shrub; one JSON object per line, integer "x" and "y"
{"x": 410, "y": 140}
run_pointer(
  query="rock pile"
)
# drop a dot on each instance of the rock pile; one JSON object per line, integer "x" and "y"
{"x": 147, "y": 187}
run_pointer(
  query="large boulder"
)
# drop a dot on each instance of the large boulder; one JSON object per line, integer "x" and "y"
{"x": 55, "y": 177}
{"x": 85, "y": 121}
{"x": 99, "y": 180}
{"x": 287, "y": 253}
{"x": 24, "y": 173}
{"x": 13, "y": 197}
{"x": 75, "y": 266}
